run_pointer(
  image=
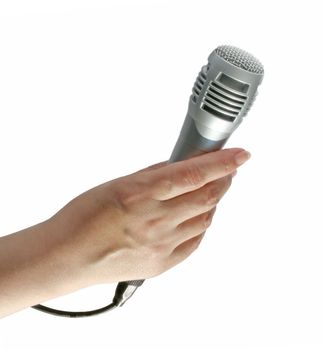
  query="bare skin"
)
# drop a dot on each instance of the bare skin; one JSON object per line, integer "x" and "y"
{"x": 133, "y": 227}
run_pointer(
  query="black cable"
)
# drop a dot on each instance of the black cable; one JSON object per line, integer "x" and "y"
{"x": 123, "y": 292}
{"x": 63, "y": 313}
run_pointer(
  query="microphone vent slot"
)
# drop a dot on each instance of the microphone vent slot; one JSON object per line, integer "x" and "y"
{"x": 249, "y": 105}
{"x": 222, "y": 101}
{"x": 199, "y": 83}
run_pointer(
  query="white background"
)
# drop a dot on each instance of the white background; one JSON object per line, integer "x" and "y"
{"x": 92, "y": 90}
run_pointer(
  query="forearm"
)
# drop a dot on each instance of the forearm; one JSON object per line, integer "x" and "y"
{"x": 35, "y": 267}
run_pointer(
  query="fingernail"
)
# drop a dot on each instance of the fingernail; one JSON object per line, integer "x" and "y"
{"x": 242, "y": 157}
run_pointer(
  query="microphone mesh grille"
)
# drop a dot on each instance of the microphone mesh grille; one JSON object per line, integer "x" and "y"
{"x": 240, "y": 58}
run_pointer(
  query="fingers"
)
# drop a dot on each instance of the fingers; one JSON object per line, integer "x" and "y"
{"x": 184, "y": 250}
{"x": 185, "y": 176}
{"x": 193, "y": 227}
{"x": 191, "y": 238}
{"x": 192, "y": 204}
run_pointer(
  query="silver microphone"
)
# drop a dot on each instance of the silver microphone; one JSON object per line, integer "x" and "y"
{"x": 223, "y": 93}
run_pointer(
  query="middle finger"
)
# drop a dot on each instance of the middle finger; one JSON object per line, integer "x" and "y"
{"x": 191, "y": 204}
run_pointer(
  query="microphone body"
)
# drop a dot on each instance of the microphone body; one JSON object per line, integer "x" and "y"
{"x": 223, "y": 93}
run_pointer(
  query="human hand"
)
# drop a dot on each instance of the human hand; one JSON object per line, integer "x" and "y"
{"x": 140, "y": 225}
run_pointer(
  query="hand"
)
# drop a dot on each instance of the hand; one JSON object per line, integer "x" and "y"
{"x": 142, "y": 224}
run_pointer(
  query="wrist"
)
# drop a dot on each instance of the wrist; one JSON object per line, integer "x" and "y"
{"x": 35, "y": 267}
{"x": 69, "y": 261}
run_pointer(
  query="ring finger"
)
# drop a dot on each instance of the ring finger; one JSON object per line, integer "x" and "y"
{"x": 192, "y": 204}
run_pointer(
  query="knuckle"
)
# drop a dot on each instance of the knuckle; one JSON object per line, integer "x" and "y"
{"x": 128, "y": 196}
{"x": 157, "y": 251}
{"x": 156, "y": 223}
{"x": 166, "y": 185}
{"x": 196, "y": 243}
{"x": 125, "y": 199}
{"x": 212, "y": 195}
{"x": 207, "y": 220}
{"x": 133, "y": 239}
{"x": 192, "y": 175}
{"x": 129, "y": 232}
{"x": 227, "y": 165}
{"x": 228, "y": 181}
{"x": 145, "y": 232}
{"x": 140, "y": 238}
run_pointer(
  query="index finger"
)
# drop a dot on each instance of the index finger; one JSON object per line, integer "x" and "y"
{"x": 188, "y": 175}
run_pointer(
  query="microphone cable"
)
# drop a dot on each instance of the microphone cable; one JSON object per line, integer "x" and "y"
{"x": 123, "y": 292}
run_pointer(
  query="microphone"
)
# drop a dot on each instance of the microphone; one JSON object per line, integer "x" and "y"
{"x": 223, "y": 93}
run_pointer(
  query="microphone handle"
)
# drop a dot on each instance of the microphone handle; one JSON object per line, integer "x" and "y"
{"x": 190, "y": 143}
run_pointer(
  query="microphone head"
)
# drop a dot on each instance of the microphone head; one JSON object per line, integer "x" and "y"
{"x": 240, "y": 58}
{"x": 222, "y": 94}
{"x": 225, "y": 90}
